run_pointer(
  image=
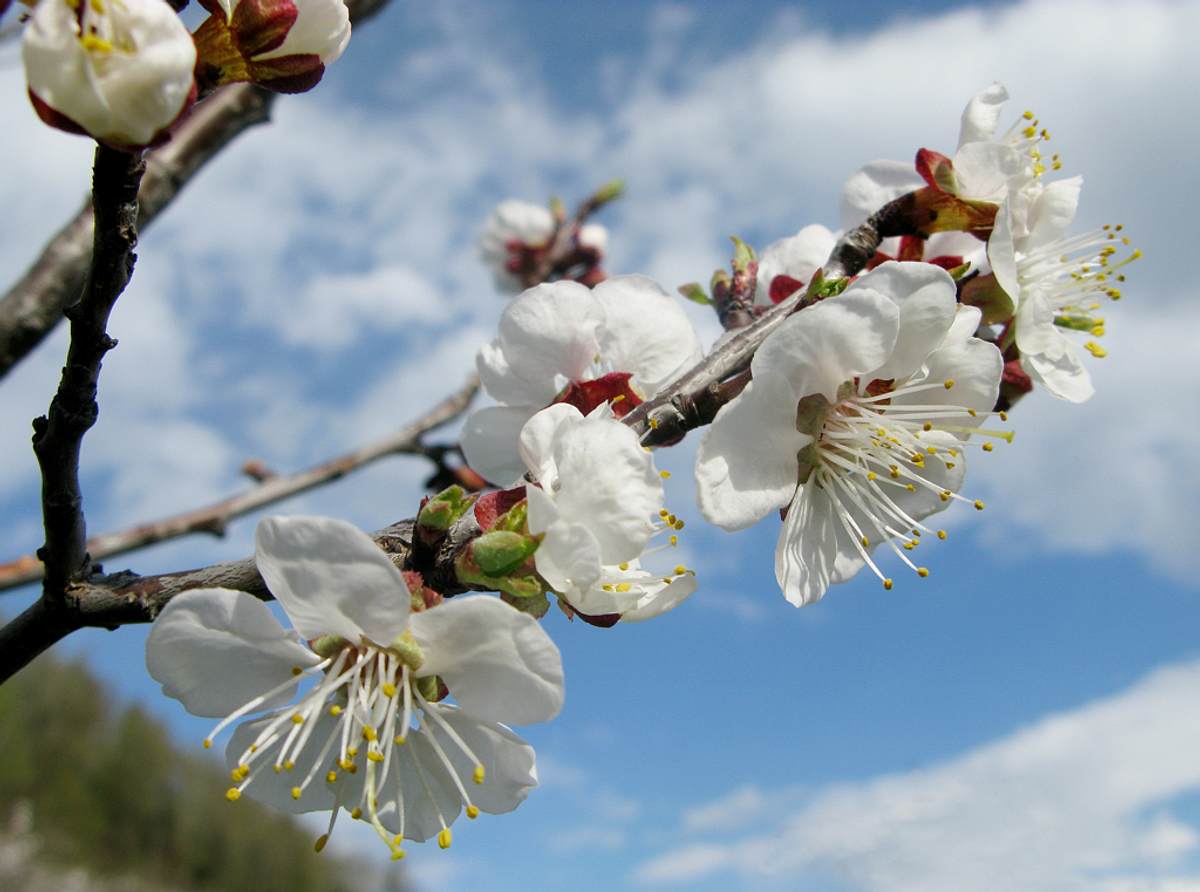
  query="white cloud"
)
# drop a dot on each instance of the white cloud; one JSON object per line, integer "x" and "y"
{"x": 731, "y": 812}
{"x": 1079, "y": 800}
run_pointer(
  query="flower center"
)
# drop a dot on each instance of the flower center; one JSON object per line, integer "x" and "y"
{"x": 364, "y": 704}
{"x": 871, "y": 455}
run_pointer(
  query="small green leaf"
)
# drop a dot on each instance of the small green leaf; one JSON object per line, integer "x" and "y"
{"x": 695, "y": 293}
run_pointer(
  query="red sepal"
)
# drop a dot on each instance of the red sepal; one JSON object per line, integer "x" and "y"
{"x": 288, "y": 74}
{"x": 259, "y": 26}
{"x": 937, "y": 170}
{"x": 587, "y": 395}
{"x": 1016, "y": 377}
{"x": 783, "y": 287}
{"x": 490, "y": 505}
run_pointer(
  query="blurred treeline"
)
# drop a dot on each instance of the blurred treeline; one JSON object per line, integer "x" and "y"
{"x": 105, "y": 789}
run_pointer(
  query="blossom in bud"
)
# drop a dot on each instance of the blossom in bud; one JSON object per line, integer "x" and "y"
{"x": 856, "y": 421}
{"x": 118, "y": 71}
{"x": 788, "y": 265}
{"x": 597, "y": 505}
{"x": 1054, "y": 281}
{"x": 371, "y": 731}
{"x": 618, "y": 343}
{"x": 517, "y": 236}
{"x": 283, "y": 45}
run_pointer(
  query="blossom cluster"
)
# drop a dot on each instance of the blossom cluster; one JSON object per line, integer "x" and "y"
{"x": 854, "y": 420}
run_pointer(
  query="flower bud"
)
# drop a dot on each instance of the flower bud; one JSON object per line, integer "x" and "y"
{"x": 283, "y": 45}
{"x": 121, "y": 72}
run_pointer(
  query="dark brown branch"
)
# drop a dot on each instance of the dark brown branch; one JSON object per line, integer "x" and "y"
{"x": 215, "y": 518}
{"x": 35, "y": 302}
{"x": 692, "y": 400}
{"x": 58, "y": 435}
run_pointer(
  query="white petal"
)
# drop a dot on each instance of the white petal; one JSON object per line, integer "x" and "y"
{"x": 489, "y": 442}
{"x": 965, "y": 324}
{"x": 547, "y": 338}
{"x": 510, "y": 772}
{"x": 215, "y": 649}
{"x": 740, "y": 478}
{"x": 981, "y": 114}
{"x": 1036, "y": 331}
{"x": 927, "y": 300}
{"x": 973, "y": 365}
{"x": 536, "y": 440}
{"x": 874, "y": 186}
{"x": 430, "y": 795}
{"x": 1052, "y": 212}
{"x": 274, "y": 789}
{"x": 807, "y": 546}
{"x": 498, "y": 662}
{"x": 797, "y": 257}
{"x": 1002, "y": 254}
{"x": 322, "y": 28}
{"x": 568, "y": 557}
{"x": 983, "y": 170}
{"x": 332, "y": 579}
{"x": 1064, "y": 375}
{"x": 608, "y": 483}
{"x": 659, "y": 602}
{"x": 645, "y": 332}
{"x": 824, "y": 346}
{"x": 594, "y": 236}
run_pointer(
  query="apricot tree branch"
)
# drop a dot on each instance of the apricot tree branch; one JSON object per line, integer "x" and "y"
{"x": 215, "y": 518}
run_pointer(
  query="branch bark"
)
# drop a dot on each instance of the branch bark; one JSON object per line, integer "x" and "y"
{"x": 215, "y": 518}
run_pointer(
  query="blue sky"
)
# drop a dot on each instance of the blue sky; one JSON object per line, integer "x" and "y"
{"x": 1026, "y": 718}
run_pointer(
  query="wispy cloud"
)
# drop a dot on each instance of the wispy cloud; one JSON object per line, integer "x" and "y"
{"x": 1080, "y": 800}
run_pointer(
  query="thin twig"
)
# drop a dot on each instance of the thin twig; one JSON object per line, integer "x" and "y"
{"x": 215, "y": 518}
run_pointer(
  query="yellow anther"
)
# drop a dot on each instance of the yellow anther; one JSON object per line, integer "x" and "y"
{"x": 911, "y": 487}
{"x": 472, "y": 812}
{"x": 618, "y": 398}
{"x": 356, "y": 814}
{"x": 368, "y": 733}
{"x": 278, "y": 769}
{"x": 941, "y": 534}
{"x": 871, "y": 475}
{"x": 607, "y": 587}
{"x": 866, "y": 543}
{"x": 927, "y": 426}
{"x": 233, "y": 794}
{"x": 949, "y": 465}
{"x": 978, "y": 505}
{"x": 678, "y": 524}
{"x": 352, "y": 751}
{"x": 680, "y": 569}
{"x": 399, "y": 740}
{"x": 1028, "y": 115}
{"x": 932, "y": 450}
{"x": 674, "y": 540}
{"x": 91, "y": 42}
{"x": 894, "y": 471}
{"x": 1095, "y": 349}
{"x": 296, "y": 670}
{"x": 1029, "y": 132}
{"x": 296, "y": 791}
{"x": 479, "y": 774}
{"x": 948, "y": 383}
{"x": 907, "y": 546}
{"x": 444, "y": 838}
{"x": 887, "y": 584}
{"x": 624, "y": 565}
{"x": 944, "y": 495}
{"x": 1003, "y": 416}
{"x": 1137, "y": 254}
{"x": 207, "y": 743}
{"x": 335, "y": 710}
{"x": 331, "y": 777}
{"x": 389, "y": 689}
{"x": 922, "y": 572}
{"x": 321, "y": 841}
{"x": 288, "y": 764}
{"x": 652, "y": 424}
{"x": 375, "y": 756}
{"x": 345, "y": 764}
{"x": 664, "y": 474}
{"x": 663, "y": 512}
{"x": 397, "y": 854}
{"x": 623, "y": 587}
{"x": 987, "y": 447}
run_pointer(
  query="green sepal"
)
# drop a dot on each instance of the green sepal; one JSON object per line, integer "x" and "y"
{"x": 513, "y": 521}
{"x": 743, "y": 255}
{"x": 820, "y": 287}
{"x": 959, "y": 271}
{"x": 610, "y": 191}
{"x": 441, "y": 512}
{"x": 535, "y": 605}
{"x": 500, "y": 552}
{"x": 720, "y": 279}
{"x": 694, "y": 292}
{"x": 993, "y": 301}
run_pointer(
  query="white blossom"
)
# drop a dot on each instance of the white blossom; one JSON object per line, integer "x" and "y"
{"x": 598, "y": 503}
{"x": 1054, "y": 281}
{"x": 855, "y": 421}
{"x": 371, "y": 733}
{"x": 620, "y": 341}
{"x": 518, "y": 232}
{"x": 119, "y": 70}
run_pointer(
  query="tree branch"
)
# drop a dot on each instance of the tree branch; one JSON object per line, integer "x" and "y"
{"x": 693, "y": 399}
{"x": 58, "y": 435}
{"x": 215, "y": 518}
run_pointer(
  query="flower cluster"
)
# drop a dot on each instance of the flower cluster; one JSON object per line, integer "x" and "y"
{"x": 853, "y": 419}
